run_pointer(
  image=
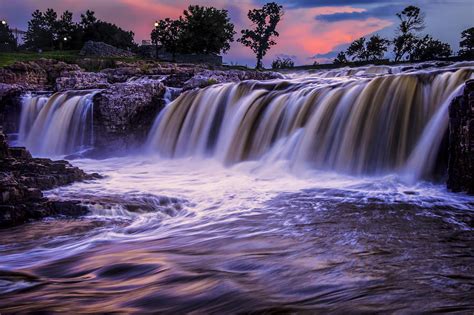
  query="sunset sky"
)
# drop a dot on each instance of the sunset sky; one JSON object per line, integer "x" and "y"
{"x": 310, "y": 28}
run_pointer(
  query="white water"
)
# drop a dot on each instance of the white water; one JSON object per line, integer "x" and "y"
{"x": 57, "y": 125}
{"x": 351, "y": 125}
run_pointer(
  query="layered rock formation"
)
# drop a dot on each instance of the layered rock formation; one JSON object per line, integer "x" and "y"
{"x": 100, "y": 49}
{"x": 461, "y": 141}
{"x": 124, "y": 113}
{"x": 22, "y": 178}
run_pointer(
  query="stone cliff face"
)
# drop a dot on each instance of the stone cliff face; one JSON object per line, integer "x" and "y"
{"x": 22, "y": 179}
{"x": 461, "y": 141}
{"x": 124, "y": 113}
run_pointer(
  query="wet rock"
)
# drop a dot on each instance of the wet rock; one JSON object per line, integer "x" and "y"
{"x": 79, "y": 80}
{"x": 100, "y": 49}
{"x": 210, "y": 77}
{"x": 38, "y": 74}
{"x": 22, "y": 179}
{"x": 125, "y": 112}
{"x": 461, "y": 141}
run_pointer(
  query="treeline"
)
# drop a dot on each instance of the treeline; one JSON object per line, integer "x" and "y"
{"x": 408, "y": 44}
{"x": 200, "y": 29}
{"x": 49, "y": 31}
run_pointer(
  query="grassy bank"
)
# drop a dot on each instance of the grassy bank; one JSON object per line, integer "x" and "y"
{"x": 68, "y": 56}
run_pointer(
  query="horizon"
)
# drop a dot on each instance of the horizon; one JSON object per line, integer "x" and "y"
{"x": 310, "y": 30}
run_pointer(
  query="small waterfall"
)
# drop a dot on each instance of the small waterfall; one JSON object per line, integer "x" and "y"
{"x": 364, "y": 125}
{"x": 59, "y": 124}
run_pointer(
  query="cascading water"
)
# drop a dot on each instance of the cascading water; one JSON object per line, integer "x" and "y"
{"x": 353, "y": 125}
{"x": 57, "y": 125}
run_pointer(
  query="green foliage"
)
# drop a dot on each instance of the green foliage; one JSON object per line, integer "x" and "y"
{"x": 371, "y": 50}
{"x": 467, "y": 43}
{"x": 411, "y": 21}
{"x": 7, "y": 40}
{"x": 204, "y": 30}
{"x": 376, "y": 47}
{"x": 168, "y": 34}
{"x": 47, "y": 31}
{"x": 340, "y": 59}
{"x": 283, "y": 63}
{"x": 357, "y": 49}
{"x": 427, "y": 48}
{"x": 261, "y": 38}
{"x": 100, "y": 31}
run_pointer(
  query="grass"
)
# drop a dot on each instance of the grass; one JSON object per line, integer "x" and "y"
{"x": 8, "y": 58}
{"x": 68, "y": 56}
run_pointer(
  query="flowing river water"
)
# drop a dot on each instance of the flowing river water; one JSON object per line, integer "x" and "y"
{"x": 275, "y": 197}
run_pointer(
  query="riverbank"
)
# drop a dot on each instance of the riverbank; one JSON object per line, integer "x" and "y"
{"x": 22, "y": 180}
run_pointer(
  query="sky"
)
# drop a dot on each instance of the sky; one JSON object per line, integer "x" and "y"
{"x": 310, "y": 29}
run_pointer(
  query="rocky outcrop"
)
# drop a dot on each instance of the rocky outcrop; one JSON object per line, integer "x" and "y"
{"x": 100, "y": 49}
{"x": 210, "y": 77}
{"x": 461, "y": 141}
{"x": 80, "y": 80}
{"x": 124, "y": 113}
{"x": 39, "y": 74}
{"x": 21, "y": 180}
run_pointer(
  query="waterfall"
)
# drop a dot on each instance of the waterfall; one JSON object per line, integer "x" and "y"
{"x": 355, "y": 125}
{"x": 58, "y": 124}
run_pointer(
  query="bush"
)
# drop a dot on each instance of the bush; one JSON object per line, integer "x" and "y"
{"x": 283, "y": 63}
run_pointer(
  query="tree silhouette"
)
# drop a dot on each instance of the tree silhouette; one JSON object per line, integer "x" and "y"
{"x": 101, "y": 31}
{"x": 283, "y": 63}
{"x": 376, "y": 47}
{"x": 206, "y": 30}
{"x": 260, "y": 39}
{"x": 411, "y": 21}
{"x": 427, "y": 48}
{"x": 168, "y": 34}
{"x": 340, "y": 59}
{"x": 467, "y": 43}
{"x": 7, "y": 40}
{"x": 357, "y": 50}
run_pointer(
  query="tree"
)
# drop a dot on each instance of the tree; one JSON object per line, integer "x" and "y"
{"x": 376, "y": 47}
{"x": 357, "y": 50}
{"x": 340, "y": 59}
{"x": 40, "y": 33}
{"x": 411, "y": 21}
{"x": 206, "y": 30}
{"x": 427, "y": 48}
{"x": 261, "y": 38}
{"x": 168, "y": 34}
{"x": 100, "y": 31}
{"x": 467, "y": 43}
{"x": 7, "y": 40}
{"x": 283, "y": 63}
{"x": 46, "y": 31}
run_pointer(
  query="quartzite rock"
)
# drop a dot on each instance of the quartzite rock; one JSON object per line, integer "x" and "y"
{"x": 21, "y": 180}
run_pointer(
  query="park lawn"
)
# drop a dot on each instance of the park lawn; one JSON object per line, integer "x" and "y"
{"x": 7, "y": 58}
{"x": 68, "y": 56}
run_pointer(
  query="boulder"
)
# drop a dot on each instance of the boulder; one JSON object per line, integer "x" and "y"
{"x": 210, "y": 77}
{"x": 461, "y": 141}
{"x": 38, "y": 74}
{"x": 125, "y": 112}
{"x": 79, "y": 80}
{"x": 100, "y": 49}
{"x": 22, "y": 179}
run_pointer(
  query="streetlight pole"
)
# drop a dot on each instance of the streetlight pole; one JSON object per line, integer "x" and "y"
{"x": 156, "y": 40}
